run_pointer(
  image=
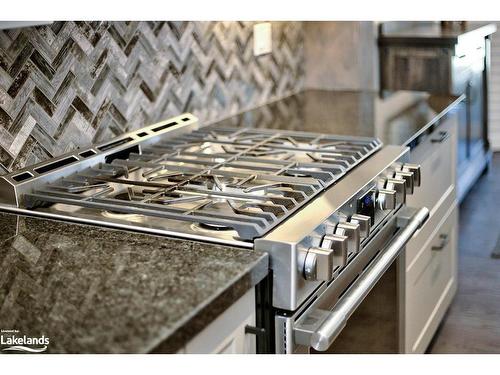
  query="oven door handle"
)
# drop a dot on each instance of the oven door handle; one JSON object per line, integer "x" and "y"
{"x": 322, "y": 336}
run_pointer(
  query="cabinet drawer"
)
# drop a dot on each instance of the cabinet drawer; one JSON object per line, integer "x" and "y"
{"x": 226, "y": 334}
{"x": 430, "y": 284}
{"x": 436, "y": 156}
{"x": 417, "y": 244}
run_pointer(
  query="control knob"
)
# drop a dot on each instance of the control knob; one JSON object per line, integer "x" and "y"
{"x": 364, "y": 223}
{"x": 408, "y": 178}
{"x": 318, "y": 264}
{"x": 415, "y": 169}
{"x": 387, "y": 199}
{"x": 338, "y": 244}
{"x": 399, "y": 186}
{"x": 352, "y": 232}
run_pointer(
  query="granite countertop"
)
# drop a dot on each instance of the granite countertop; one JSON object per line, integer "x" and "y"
{"x": 403, "y": 118}
{"x": 432, "y": 33}
{"x": 97, "y": 290}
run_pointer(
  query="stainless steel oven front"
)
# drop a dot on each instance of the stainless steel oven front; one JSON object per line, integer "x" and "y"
{"x": 327, "y": 258}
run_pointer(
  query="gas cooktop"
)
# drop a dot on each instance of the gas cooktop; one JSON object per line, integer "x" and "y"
{"x": 227, "y": 185}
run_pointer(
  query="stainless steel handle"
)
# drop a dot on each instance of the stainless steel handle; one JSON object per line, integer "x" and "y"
{"x": 324, "y": 335}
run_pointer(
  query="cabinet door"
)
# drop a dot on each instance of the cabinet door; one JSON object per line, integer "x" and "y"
{"x": 226, "y": 334}
{"x": 431, "y": 260}
{"x": 431, "y": 282}
{"x": 238, "y": 342}
{"x": 436, "y": 156}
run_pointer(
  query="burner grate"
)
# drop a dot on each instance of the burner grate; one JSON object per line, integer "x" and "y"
{"x": 243, "y": 180}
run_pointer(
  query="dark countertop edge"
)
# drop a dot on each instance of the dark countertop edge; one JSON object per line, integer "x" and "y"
{"x": 432, "y": 122}
{"x": 192, "y": 324}
{"x": 444, "y": 41}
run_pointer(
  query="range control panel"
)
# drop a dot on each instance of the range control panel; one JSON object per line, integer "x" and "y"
{"x": 343, "y": 235}
{"x": 316, "y": 244}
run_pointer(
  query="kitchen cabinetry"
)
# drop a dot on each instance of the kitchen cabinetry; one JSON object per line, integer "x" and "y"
{"x": 226, "y": 334}
{"x": 441, "y": 61}
{"x": 430, "y": 277}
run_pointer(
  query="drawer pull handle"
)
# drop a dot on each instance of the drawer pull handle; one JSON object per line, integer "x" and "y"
{"x": 257, "y": 331}
{"x": 444, "y": 241}
{"x": 443, "y": 136}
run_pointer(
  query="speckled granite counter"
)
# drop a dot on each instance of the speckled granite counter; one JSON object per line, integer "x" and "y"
{"x": 402, "y": 118}
{"x": 97, "y": 290}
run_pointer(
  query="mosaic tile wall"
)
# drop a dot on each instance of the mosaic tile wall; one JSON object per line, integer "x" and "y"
{"x": 70, "y": 84}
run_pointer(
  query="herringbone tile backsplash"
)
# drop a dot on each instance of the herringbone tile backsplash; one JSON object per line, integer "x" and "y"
{"x": 70, "y": 84}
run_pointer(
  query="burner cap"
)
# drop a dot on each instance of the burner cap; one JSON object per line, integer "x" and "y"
{"x": 215, "y": 227}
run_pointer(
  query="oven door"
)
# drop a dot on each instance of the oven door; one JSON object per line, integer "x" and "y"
{"x": 319, "y": 322}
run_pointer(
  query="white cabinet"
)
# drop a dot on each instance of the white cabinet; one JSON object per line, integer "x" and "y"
{"x": 436, "y": 157}
{"x": 430, "y": 279}
{"x": 431, "y": 282}
{"x": 226, "y": 334}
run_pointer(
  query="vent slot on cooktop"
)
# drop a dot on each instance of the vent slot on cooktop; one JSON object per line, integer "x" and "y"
{"x": 110, "y": 145}
{"x": 164, "y": 126}
{"x": 87, "y": 154}
{"x": 22, "y": 176}
{"x": 57, "y": 164}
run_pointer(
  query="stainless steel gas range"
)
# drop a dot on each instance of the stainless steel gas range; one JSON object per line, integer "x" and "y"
{"x": 329, "y": 210}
